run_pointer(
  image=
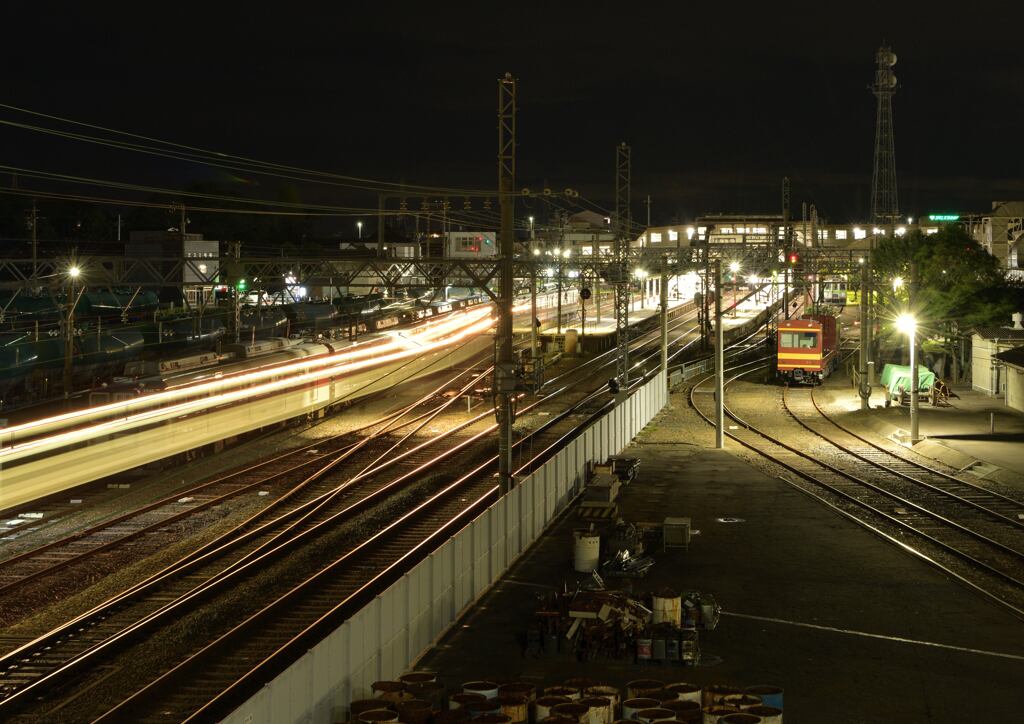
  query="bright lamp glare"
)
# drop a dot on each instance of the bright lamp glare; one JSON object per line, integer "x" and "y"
{"x": 897, "y": 282}
{"x": 906, "y": 323}
{"x": 73, "y": 272}
{"x": 734, "y": 267}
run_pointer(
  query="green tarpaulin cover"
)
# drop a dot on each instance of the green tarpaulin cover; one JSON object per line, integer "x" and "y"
{"x": 896, "y": 376}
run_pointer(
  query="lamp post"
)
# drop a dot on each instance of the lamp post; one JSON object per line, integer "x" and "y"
{"x": 908, "y": 325}
{"x": 359, "y": 227}
{"x": 734, "y": 267}
{"x": 69, "y": 329}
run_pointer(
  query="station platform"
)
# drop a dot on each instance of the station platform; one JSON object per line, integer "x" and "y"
{"x": 853, "y": 629}
{"x": 958, "y": 435}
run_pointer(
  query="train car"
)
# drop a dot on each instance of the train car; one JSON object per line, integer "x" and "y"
{"x": 833, "y": 291}
{"x": 807, "y": 349}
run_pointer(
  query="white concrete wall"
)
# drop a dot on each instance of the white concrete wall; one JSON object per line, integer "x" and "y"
{"x": 382, "y": 640}
{"x": 1014, "y": 387}
{"x": 984, "y": 376}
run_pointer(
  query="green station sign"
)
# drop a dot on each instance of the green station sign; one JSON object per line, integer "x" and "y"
{"x": 943, "y": 217}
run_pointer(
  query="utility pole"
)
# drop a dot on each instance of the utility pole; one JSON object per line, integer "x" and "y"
{"x": 648, "y": 202}
{"x": 35, "y": 241}
{"x": 864, "y": 389}
{"x": 868, "y": 298}
{"x": 664, "y": 317}
{"x": 504, "y": 367}
{"x": 914, "y": 377}
{"x": 719, "y": 361}
{"x": 237, "y": 248}
{"x": 621, "y": 275}
{"x": 533, "y": 316}
{"x": 380, "y": 224}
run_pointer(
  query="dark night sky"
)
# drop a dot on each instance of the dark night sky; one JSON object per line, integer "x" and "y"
{"x": 717, "y": 104}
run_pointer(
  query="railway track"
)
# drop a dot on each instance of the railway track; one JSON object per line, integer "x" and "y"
{"x": 154, "y": 521}
{"x": 82, "y": 645}
{"x": 964, "y": 530}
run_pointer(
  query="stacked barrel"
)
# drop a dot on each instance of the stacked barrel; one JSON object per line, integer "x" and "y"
{"x": 419, "y": 698}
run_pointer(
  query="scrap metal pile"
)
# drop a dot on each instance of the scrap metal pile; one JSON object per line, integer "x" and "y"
{"x": 592, "y": 624}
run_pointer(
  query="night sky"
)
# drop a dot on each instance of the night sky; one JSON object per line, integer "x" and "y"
{"x": 717, "y": 105}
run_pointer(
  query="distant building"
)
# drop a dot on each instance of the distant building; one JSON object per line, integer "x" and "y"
{"x": 583, "y": 234}
{"x": 1001, "y": 232}
{"x": 760, "y": 229}
{"x": 197, "y": 276}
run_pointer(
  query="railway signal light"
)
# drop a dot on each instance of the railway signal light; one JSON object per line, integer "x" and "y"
{"x": 794, "y": 259}
{"x": 241, "y": 285}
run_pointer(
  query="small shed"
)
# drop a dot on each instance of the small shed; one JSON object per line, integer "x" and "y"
{"x": 1013, "y": 375}
{"x": 987, "y": 374}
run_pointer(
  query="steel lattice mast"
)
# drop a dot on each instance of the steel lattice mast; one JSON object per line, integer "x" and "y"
{"x": 620, "y": 277}
{"x": 504, "y": 360}
{"x": 885, "y": 206}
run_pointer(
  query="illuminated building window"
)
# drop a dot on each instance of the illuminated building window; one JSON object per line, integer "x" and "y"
{"x": 724, "y": 230}
{"x": 931, "y": 230}
{"x": 823, "y": 234}
{"x": 587, "y": 250}
{"x": 673, "y": 235}
{"x": 859, "y": 233}
{"x": 605, "y": 249}
{"x": 841, "y": 234}
{"x": 760, "y": 229}
{"x": 655, "y": 237}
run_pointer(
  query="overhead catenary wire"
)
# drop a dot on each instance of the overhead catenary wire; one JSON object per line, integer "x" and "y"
{"x": 220, "y": 159}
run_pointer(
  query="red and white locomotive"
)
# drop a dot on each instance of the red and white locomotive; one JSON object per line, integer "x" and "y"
{"x": 807, "y": 349}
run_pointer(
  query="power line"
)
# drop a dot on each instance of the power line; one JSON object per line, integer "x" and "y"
{"x": 215, "y": 158}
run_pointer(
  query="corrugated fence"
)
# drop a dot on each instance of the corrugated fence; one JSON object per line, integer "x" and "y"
{"x": 382, "y": 640}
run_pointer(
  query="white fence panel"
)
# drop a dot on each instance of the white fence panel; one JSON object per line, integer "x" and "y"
{"x": 462, "y": 559}
{"x": 442, "y": 589}
{"x": 382, "y": 639}
{"x": 481, "y": 552}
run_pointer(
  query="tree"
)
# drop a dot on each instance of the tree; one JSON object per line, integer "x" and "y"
{"x": 956, "y": 284}
{"x": 956, "y": 280}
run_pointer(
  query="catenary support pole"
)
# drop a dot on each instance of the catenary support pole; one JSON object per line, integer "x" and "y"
{"x": 719, "y": 361}
{"x": 504, "y": 368}
{"x": 664, "y": 318}
{"x": 533, "y": 315}
{"x": 869, "y": 295}
{"x": 864, "y": 389}
{"x": 915, "y": 378}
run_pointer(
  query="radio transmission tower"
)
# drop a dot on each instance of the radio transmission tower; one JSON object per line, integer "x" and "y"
{"x": 885, "y": 205}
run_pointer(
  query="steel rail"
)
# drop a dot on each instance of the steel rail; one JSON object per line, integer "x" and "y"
{"x": 1019, "y": 504}
{"x": 169, "y": 683}
{"x": 978, "y": 566}
{"x": 228, "y": 479}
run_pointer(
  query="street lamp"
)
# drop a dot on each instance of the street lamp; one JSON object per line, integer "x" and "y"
{"x": 531, "y": 228}
{"x": 897, "y": 283}
{"x": 734, "y": 267}
{"x": 74, "y": 271}
{"x": 359, "y": 226}
{"x": 906, "y": 324}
